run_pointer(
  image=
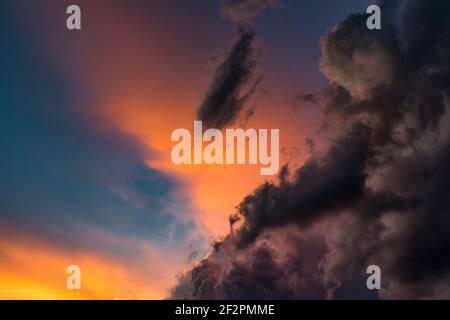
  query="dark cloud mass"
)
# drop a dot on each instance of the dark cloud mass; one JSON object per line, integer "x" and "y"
{"x": 378, "y": 194}
{"x": 225, "y": 101}
{"x": 235, "y": 80}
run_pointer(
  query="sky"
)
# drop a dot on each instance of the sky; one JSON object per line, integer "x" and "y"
{"x": 85, "y": 133}
{"x": 85, "y": 122}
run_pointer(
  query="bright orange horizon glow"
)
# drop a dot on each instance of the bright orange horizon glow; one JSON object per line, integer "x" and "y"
{"x": 34, "y": 269}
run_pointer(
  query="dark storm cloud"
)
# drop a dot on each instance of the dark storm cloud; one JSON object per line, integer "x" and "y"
{"x": 243, "y": 11}
{"x": 225, "y": 100}
{"x": 380, "y": 193}
{"x": 235, "y": 81}
{"x": 323, "y": 185}
{"x": 263, "y": 271}
{"x": 257, "y": 277}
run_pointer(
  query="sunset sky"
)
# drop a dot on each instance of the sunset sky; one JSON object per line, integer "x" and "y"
{"x": 85, "y": 122}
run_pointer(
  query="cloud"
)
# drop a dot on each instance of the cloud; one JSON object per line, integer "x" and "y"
{"x": 265, "y": 270}
{"x": 360, "y": 63}
{"x": 225, "y": 100}
{"x": 235, "y": 80}
{"x": 379, "y": 192}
